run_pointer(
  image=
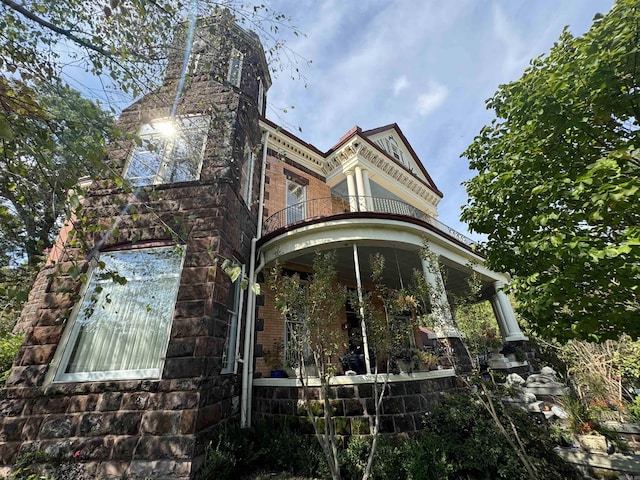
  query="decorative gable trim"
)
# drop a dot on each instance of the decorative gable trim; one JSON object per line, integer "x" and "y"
{"x": 373, "y": 154}
{"x": 394, "y": 127}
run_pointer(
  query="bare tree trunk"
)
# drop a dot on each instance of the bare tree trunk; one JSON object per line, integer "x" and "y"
{"x": 376, "y": 422}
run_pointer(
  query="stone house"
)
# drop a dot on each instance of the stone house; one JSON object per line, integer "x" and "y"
{"x": 138, "y": 347}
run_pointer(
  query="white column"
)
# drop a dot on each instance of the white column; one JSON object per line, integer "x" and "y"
{"x": 367, "y": 189}
{"x": 510, "y": 325}
{"x": 351, "y": 191}
{"x": 361, "y": 192}
{"x": 497, "y": 312}
{"x": 440, "y": 308}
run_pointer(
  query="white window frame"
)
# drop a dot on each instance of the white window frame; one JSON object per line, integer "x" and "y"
{"x": 232, "y": 339}
{"x": 246, "y": 175}
{"x": 261, "y": 97}
{"x": 234, "y": 75}
{"x": 160, "y": 138}
{"x": 69, "y": 340}
{"x": 296, "y": 212}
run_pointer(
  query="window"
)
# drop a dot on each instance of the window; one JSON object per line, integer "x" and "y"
{"x": 232, "y": 338}
{"x": 261, "y": 97}
{"x": 171, "y": 151}
{"x": 121, "y": 329}
{"x": 246, "y": 175}
{"x": 296, "y": 197}
{"x": 235, "y": 67}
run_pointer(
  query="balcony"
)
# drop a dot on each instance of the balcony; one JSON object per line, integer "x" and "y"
{"x": 326, "y": 207}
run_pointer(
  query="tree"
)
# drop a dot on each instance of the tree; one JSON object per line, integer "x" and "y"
{"x": 42, "y": 159}
{"x": 312, "y": 309}
{"x": 558, "y": 183}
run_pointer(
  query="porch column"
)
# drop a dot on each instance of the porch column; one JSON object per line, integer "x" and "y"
{"x": 361, "y": 191}
{"x": 440, "y": 308}
{"x": 505, "y": 315}
{"x": 367, "y": 189}
{"x": 351, "y": 191}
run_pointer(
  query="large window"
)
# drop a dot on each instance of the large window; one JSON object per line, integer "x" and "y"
{"x": 296, "y": 197}
{"x": 121, "y": 328}
{"x": 171, "y": 151}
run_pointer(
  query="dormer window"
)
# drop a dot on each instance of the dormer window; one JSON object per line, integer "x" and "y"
{"x": 235, "y": 67}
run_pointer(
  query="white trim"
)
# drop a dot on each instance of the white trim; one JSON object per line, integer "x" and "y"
{"x": 357, "y": 379}
{"x": 70, "y": 335}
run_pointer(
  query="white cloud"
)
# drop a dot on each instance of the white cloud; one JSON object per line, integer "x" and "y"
{"x": 400, "y": 84}
{"x": 430, "y": 100}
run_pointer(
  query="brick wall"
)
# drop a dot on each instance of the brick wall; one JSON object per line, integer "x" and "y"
{"x": 276, "y": 185}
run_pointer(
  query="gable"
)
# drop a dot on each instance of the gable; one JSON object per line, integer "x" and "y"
{"x": 392, "y": 141}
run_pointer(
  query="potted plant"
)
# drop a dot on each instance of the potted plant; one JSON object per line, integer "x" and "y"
{"x": 492, "y": 341}
{"x": 274, "y": 359}
{"x": 428, "y": 360}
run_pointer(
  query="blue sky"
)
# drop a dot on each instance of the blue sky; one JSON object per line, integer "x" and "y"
{"x": 428, "y": 65}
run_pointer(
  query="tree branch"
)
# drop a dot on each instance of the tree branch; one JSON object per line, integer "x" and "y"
{"x": 50, "y": 26}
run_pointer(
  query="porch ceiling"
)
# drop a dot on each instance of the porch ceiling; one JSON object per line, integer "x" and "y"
{"x": 399, "y": 266}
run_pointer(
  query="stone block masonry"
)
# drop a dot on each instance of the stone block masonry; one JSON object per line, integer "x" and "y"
{"x": 150, "y": 428}
{"x": 405, "y": 402}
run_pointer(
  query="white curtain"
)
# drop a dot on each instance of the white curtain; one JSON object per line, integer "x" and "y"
{"x": 122, "y": 328}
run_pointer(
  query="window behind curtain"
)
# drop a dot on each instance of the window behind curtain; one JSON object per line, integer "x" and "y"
{"x": 121, "y": 329}
{"x": 246, "y": 175}
{"x": 171, "y": 151}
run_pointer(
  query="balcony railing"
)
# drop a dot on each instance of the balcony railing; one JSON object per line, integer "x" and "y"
{"x": 329, "y": 206}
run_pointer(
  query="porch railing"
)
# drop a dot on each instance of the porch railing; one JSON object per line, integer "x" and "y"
{"x": 329, "y": 206}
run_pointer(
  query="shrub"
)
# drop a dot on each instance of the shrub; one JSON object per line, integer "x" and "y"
{"x": 240, "y": 451}
{"x": 633, "y": 409}
{"x": 9, "y": 346}
{"x": 229, "y": 455}
{"x": 464, "y": 438}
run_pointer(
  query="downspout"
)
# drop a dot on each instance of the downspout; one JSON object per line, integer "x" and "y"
{"x": 247, "y": 359}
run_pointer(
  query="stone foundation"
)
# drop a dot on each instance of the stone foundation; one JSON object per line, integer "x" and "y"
{"x": 133, "y": 428}
{"x": 407, "y": 398}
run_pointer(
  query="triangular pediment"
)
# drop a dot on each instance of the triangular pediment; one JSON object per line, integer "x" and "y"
{"x": 392, "y": 141}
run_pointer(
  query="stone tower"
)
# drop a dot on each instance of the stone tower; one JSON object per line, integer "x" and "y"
{"x": 130, "y": 359}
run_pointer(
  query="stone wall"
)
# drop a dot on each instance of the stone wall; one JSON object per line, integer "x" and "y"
{"x": 404, "y": 404}
{"x": 155, "y": 428}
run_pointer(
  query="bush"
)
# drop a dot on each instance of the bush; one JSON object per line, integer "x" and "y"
{"x": 633, "y": 409}
{"x": 229, "y": 455}
{"x": 9, "y": 346}
{"x": 266, "y": 447}
{"x": 466, "y": 443}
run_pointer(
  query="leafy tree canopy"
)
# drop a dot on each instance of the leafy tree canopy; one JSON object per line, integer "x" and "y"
{"x": 558, "y": 184}
{"x": 42, "y": 157}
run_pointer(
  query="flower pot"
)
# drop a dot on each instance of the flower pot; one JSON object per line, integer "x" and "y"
{"x": 278, "y": 374}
